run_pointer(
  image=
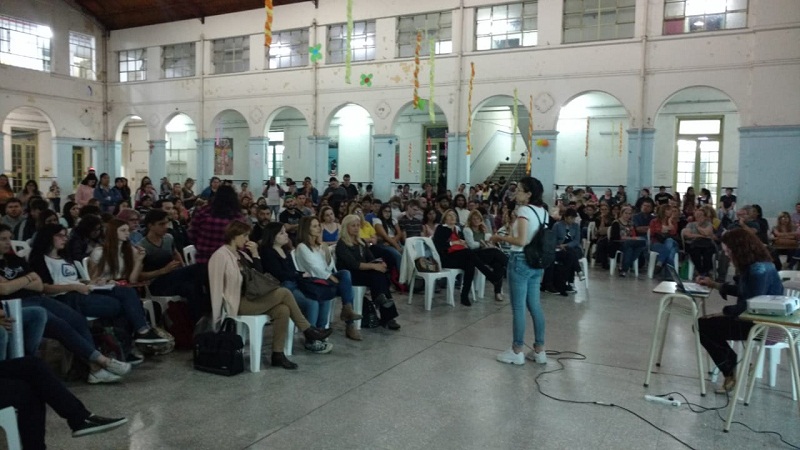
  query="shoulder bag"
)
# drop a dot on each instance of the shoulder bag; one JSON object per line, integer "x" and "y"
{"x": 255, "y": 284}
{"x": 317, "y": 289}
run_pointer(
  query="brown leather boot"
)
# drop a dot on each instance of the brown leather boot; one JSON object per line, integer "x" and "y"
{"x": 348, "y": 314}
{"x": 352, "y": 332}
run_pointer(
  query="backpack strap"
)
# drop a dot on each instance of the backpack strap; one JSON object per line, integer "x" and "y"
{"x": 541, "y": 223}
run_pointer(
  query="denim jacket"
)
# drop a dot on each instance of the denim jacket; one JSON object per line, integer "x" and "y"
{"x": 561, "y": 228}
{"x": 760, "y": 278}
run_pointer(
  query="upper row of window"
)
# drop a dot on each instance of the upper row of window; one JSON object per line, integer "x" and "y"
{"x": 26, "y": 44}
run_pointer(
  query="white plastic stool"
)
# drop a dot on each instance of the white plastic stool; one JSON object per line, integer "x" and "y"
{"x": 8, "y": 421}
{"x": 255, "y": 328}
{"x": 478, "y": 285}
{"x": 612, "y": 264}
{"x": 585, "y": 269}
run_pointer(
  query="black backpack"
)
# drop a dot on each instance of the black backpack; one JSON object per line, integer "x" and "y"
{"x": 540, "y": 252}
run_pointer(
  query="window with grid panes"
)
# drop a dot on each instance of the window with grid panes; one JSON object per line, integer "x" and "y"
{"x": 24, "y": 44}
{"x": 231, "y": 55}
{"x": 437, "y": 26}
{"x": 178, "y": 60}
{"x": 289, "y": 49}
{"x": 506, "y": 26}
{"x": 699, "y": 146}
{"x": 598, "y": 20}
{"x": 362, "y": 42}
{"x": 692, "y": 16}
{"x": 132, "y": 65}
{"x": 81, "y": 55}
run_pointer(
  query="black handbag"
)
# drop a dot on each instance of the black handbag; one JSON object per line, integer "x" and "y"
{"x": 317, "y": 288}
{"x": 220, "y": 352}
{"x": 369, "y": 315}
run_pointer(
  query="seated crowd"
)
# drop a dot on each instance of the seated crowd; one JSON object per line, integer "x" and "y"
{"x": 132, "y": 243}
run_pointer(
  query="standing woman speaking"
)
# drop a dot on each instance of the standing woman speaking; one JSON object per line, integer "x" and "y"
{"x": 523, "y": 280}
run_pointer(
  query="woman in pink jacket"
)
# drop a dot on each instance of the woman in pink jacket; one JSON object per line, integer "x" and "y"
{"x": 85, "y": 191}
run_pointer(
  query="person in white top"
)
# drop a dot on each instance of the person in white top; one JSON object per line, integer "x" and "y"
{"x": 273, "y": 192}
{"x": 96, "y": 298}
{"x": 117, "y": 258}
{"x": 315, "y": 259}
{"x": 523, "y": 280}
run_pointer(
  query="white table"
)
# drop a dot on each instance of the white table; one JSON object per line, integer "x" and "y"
{"x": 678, "y": 303}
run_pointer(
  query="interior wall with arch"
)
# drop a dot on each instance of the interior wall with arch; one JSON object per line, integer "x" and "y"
{"x": 351, "y": 131}
{"x": 297, "y": 161}
{"x": 410, "y": 128}
{"x": 34, "y": 125}
{"x": 135, "y": 151}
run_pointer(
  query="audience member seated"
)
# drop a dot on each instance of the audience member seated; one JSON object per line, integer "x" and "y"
{"x": 796, "y": 215}
{"x": 664, "y": 235}
{"x": 25, "y": 230}
{"x": 14, "y": 213}
{"x": 315, "y": 259}
{"x": 226, "y": 282}
{"x": 330, "y": 227}
{"x": 276, "y": 261}
{"x": 388, "y": 234}
{"x": 698, "y": 237}
{"x": 622, "y": 236}
{"x": 757, "y": 215}
{"x": 133, "y": 218}
{"x": 602, "y": 225}
{"x": 460, "y": 207}
{"x": 117, "y": 258}
{"x": 430, "y": 222}
{"x": 61, "y": 281}
{"x": 568, "y": 252}
{"x": 85, "y": 190}
{"x": 704, "y": 198}
{"x": 263, "y": 218}
{"x": 63, "y": 324}
{"x": 784, "y": 238}
{"x": 477, "y": 236}
{"x": 87, "y": 235}
{"x": 644, "y": 196}
{"x": 69, "y": 215}
{"x": 290, "y": 217}
{"x": 411, "y": 221}
{"x": 621, "y": 197}
{"x": 642, "y": 220}
{"x": 727, "y": 206}
{"x": 354, "y": 256}
{"x": 29, "y": 386}
{"x": 211, "y": 190}
{"x": 663, "y": 197}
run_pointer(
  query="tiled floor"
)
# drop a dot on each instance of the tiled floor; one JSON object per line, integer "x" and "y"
{"x": 436, "y": 385}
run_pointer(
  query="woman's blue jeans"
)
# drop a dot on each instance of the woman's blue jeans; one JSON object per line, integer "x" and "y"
{"x": 524, "y": 283}
{"x": 632, "y": 249}
{"x": 666, "y": 251}
{"x": 67, "y": 326}
{"x": 122, "y": 301}
{"x": 316, "y": 312}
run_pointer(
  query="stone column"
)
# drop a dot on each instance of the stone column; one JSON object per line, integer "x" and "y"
{"x": 157, "y": 168}
{"x": 205, "y": 163}
{"x": 384, "y": 146}
{"x": 257, "y": 164}
{"x": 318, "y": 151}
{"x": 458, "y": 162}
{"x": 543, "y": 162}
{"x": 62, "y": 152}
{"x": 640, "y": 161}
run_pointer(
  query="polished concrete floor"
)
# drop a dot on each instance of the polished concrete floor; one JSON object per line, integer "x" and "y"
{"x": 435, "y": 384}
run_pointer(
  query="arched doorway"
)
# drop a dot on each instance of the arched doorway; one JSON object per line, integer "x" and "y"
{"x": 287, "y": 154}
{"x": 133, "y": 134}
{"x": 697, "y": 141}
{"x": 28, "y": 150}
{"x": 592, "y": 142}
{"x": 181, "y": 137}
{"x": 350, "y": 145}
{"x": 423, "y": 156}
{"x": 498, "y": 148}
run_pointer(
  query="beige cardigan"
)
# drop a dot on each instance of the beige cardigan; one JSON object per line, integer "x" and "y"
{"x": 225, "y": 282}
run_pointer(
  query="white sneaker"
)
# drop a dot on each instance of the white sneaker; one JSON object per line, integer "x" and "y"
{"x": 509, "y": 357}
{"x": 540, "y": 357}
{"x": 581, "y": 276}
{"x": 103, "y": 376}
{"x": 118, "y": 367}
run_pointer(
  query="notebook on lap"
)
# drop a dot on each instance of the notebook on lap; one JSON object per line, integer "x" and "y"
{"x": 685, "y": 286}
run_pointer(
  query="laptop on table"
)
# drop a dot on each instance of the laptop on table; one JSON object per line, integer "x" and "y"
{"x": 685, "y": 286}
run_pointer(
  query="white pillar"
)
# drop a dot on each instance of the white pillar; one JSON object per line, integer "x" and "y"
{"x": 257, "y": 163}
{"x": 62, "y": 153}
{"x": 384, "y": 146}
{"x": 114, "y": 159}
{"x": 458, "y": 162}
{"x": 2, "y": 152}
{"x": 157, "y": 168}
{"x": 205, "y": 162}
{"x": 318, "y": 151}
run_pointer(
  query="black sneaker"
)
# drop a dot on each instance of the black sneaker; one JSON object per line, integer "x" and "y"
{"x": 551, "y": 290}
{"x": 96, "y": 424}
{"x": 150, "y": 337}
{"x": 392, "y": 325}
{"x": 134, "y": 359}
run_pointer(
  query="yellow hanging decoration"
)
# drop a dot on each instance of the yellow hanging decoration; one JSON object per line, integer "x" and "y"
{"x": 620, "y": 139}
{"x": 410, "y": 152}
{"x": 416, "y": 70}
{"x": 268, "y": 24}
{"x": 515, "y": 116}
{"x": 348, "y": 56}
{"x": 469, "y": 108}
{"x": 431, "y": 111}
{"x": 586, "y": 151}
{"x": 530, "y": 137}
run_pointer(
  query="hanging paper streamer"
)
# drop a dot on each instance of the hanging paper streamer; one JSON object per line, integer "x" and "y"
{"x": 217, "y": 135}
{"x": 315, "y": 53}
{"x": 431, "y": 111}
{"x": 348, "y": 56}
{"x": 268, "y": 24}
{"x": 515, "y": 116}
{"x": 586, "y": 150}
{"x": 530, "y": 137}
{"x": 620, "y": 139}
{"x": 410, "y": 153}
{"x": 469, "y": 108}
{"x": 366, "y": 79}
{"x": 416, "y": 71}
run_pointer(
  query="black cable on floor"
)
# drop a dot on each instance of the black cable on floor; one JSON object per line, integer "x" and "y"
{"x": 581, "y": 357}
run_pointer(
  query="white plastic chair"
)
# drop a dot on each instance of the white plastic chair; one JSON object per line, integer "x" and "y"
{"x": 21, "y": 249}
{"x": 189, "y": 253}
{"x": 775, "y": 349}
{"x": 255, "y": 336}
{"x": 429, "y": 278}
{"x": 612, "y": 264}
{"x": 8, "y": 421}
{"x": 358, "y": 291}
{"x": 789, "y": 275}
{"x": 591, "y": 235}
